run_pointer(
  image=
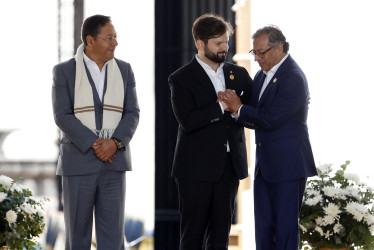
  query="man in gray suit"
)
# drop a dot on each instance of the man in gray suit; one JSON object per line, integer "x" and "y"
{"x": 95, "y": 106}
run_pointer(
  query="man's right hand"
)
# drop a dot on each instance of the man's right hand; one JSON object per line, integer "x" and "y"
{"x": 104, "y": 150}
{"x": 232, "y": 100}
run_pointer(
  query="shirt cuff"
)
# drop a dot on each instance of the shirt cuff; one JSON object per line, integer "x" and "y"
{"x": 237, "y": 114}
{"x": 223, "y": 111}
{"x": 239, "y": 110}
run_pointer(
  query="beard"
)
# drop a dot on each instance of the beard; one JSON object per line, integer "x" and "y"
{"x": 215, "y": 57}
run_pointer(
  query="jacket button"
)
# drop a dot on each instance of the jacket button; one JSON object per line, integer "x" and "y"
{"x": 225, "y": 145}
{"x": 259, "y": 144}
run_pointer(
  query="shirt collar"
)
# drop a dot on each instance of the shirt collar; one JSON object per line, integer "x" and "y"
{"x": 276, "y": 67}
{"x": 206, "y": 66}
{"x": 88, "y": 61}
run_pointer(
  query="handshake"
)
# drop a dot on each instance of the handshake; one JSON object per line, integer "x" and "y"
{"x": 229, "y": 100}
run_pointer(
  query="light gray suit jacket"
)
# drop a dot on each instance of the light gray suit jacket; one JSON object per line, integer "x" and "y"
{"x": 76, "y": 155}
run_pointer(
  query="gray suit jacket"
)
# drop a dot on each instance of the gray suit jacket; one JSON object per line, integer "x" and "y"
{"x": 76, "y": 155}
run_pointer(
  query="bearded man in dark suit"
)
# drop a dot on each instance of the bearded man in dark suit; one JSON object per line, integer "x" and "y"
{"x": 210, "y": 154}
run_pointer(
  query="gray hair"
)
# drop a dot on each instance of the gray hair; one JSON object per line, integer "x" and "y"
{"x": 275, "y": 35}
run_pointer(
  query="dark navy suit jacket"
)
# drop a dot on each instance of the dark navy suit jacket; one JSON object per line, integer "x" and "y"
{"x": 283, "y": 150}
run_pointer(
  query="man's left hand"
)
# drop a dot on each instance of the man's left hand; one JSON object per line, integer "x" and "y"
{"x": 105, "y": 149}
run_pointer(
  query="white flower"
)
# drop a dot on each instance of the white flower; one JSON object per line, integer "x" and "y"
{"x": 337, "y": 228}
{"x": 352, "y": 191}
{"x": 303, "y": 228}
{"x": 314, "y": 201}
{"x": 358, "y": 216}
{"x": 319, "y": 221}
{"x": 319, "y": 230}
{"x": 18, "y": 187}
{"x": 6, "y": 181}
{"x": 312, "y": 192}
{"x": 329, "y": 191}
{"x": 352, "y": 177}
{"x": 369, "y": 219}
{"x": 2, "y": 196}
{"x": 328, "y": 220}
{"x": 334, "y": 192}
{"x": 357, "y": 210}
{"x": 27, "y": 208}
{"x": 328, "y": 234}
{"x": 332, "y": 210}
{"x": 39, "y": 211}
{"x": 11, "y": 216}
{"x": 325, "y": 168}
{"x": 372, "y": 229}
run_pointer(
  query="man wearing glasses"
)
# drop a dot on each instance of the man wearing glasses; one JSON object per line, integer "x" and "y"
{"x": 95, "y": 106}
{"x": 284, "y": 158}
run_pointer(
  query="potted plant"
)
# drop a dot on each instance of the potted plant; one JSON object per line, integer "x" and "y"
{"x": 21, "y": 215}
{"x": 337, "y": 211}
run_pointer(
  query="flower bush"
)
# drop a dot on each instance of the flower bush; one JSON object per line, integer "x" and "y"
{"x": 21, "y": 215}
{"x": 337, "y": 211}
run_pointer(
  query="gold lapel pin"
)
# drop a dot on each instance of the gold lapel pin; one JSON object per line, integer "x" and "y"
{"x": 231, "y": 76}
{"x": 275, "y": 80}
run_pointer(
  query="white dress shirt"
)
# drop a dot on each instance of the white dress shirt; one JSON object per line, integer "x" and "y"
{"x": 269, "y": 74}
{"x": 97, "y": 76}
{"x": 218, "y": 80}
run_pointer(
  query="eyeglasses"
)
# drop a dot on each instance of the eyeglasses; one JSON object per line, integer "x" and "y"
{"x": 109, "y": 39}
{"x": 258, "y": 53}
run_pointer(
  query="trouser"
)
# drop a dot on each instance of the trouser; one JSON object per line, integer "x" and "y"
{"x": 206, "y": 210}
{"x": 277, "y": 207}
{"x": 100, "y": 194}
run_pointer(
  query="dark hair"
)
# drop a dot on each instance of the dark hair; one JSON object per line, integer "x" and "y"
{"x": 91, "y": 26}
{"x": 210, "y": 26}
{"x": 275, "y": 35}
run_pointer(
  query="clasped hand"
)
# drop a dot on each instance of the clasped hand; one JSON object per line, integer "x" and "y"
{"x": 105, "y": 149}
{"x": 229, "y": 100}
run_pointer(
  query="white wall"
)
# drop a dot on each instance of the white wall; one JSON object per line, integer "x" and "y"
{"x": 28, "y": 52}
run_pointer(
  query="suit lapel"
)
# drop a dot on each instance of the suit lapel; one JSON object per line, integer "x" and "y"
{"x": 259, "y": 86}
{"x": 94, "y": 91}
{"x": 228, "y": 82}
{"x": 202, "y": 77}
{"x": 274, "y": 80}
{"x": 267, "y": 89}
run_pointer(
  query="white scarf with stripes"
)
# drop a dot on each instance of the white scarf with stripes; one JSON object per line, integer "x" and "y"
{"x": 84, "y": 108}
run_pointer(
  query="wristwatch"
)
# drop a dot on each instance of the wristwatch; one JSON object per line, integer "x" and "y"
{"x": 118, "y": 143}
